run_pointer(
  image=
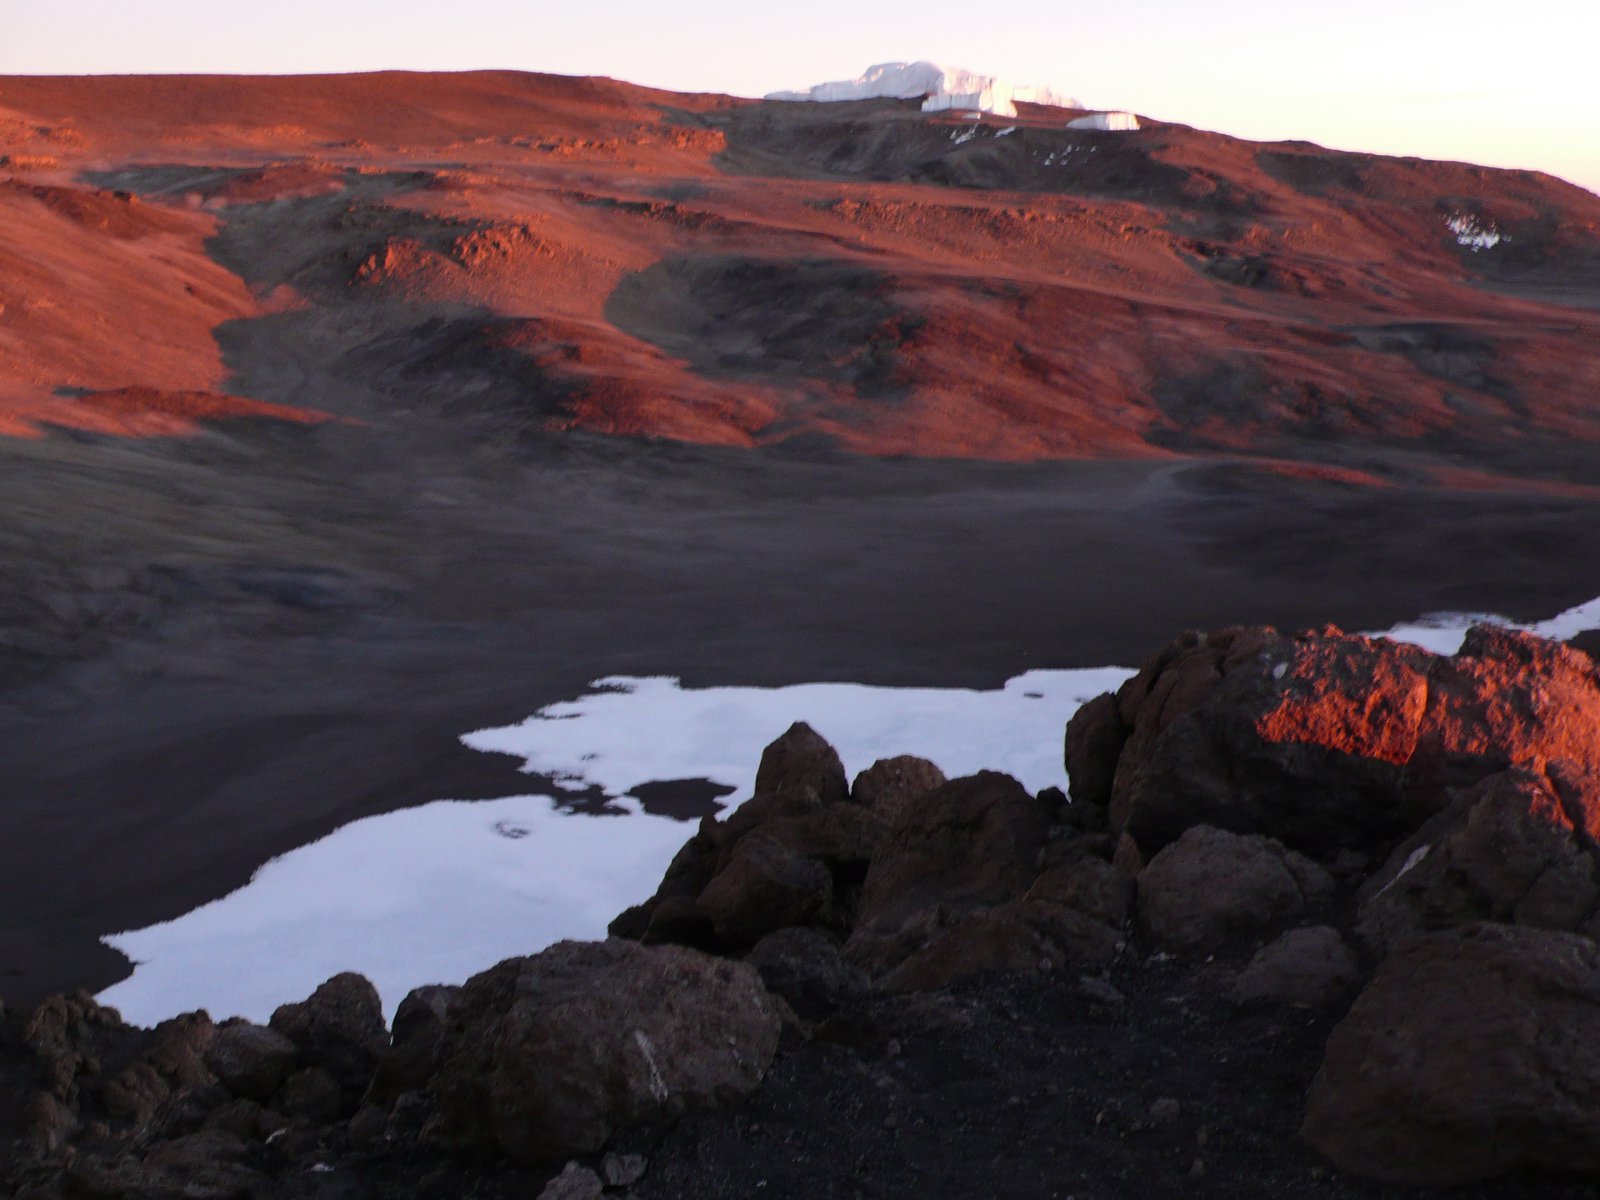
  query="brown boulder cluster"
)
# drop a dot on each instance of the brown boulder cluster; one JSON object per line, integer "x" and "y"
{"x": 1349, "y": 825}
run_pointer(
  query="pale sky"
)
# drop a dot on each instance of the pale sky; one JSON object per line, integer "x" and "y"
{"x": 1481, "y": 80}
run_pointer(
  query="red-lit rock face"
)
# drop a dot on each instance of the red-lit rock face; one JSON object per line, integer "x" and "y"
{"x": 1328, "y": 740}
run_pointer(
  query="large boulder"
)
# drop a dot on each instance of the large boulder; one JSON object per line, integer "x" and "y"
{"x": 1518, "y": 848}
{"x": 1307, "y": 968}
{"x": 973, "y": 843}
{"x": 806, "y": 968}
{"x": 340, "y": 1028}
{"x": 547, "y": 1056}
{"x": 891, "y": 784}
{"x": 1211, "y": 886}
{"x": 801, "y": 760}
{"x": 252, "y": 1061}
{"x": 765, "y": 887}
{"x": 1471, "y": 1053}
{"x": 1326, "y": 740}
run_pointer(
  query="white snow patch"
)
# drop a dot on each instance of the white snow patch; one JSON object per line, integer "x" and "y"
{"x": 424, "y": 895}
{"x": 963, "y": 136}
{"x": 1114, "y": 122}
{"x": 942, "y": 87}
{"x": 436, "y": 893}
{"x": 1476, "y": 232}
{"x": 1443, "y": 633}
{"x": 1006, "y": 132}
{"x": 635, "y": 730}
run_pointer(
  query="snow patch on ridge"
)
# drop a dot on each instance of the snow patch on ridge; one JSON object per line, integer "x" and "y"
{"x": 1476, "y": 233}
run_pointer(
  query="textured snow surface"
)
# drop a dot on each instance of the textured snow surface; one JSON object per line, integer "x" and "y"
{"x": 943, "y": 88}
{"x": 436, "y": 893}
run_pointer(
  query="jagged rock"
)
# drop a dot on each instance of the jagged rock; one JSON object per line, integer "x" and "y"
{"x": 1507, "y": 850}
{"x": 686, "y": 877}
{"x": 1211, "y": 885}
{"x": 312, "y": 1095}
{"x": 982, "y": 944}
{"x": 1127, "y": 858}
{"x": 576, "y": 1182}
{"x": 720, "y": 895}
{"x": 1470, "y": 1054}
{"x": 240, "y": 1118}
{"x": 1094, "y": 739}
{"x": 765, "y": 887}
{"x": 1328, "y": 741}
{"x": 136, "y": 1094}
{"x": 680, "y": 921}
{"x": 1308, "y": 968}
{"x": 802, "y": 760}
{"x": 251, "y": 1061}
{"x": 61, "y": 1032}
{"x": 623, "y": 1170}
{"x": 47, "y": 1124}
{"x": 369, "y": 1125}
{"x": 419, "y": 1024}
{"x": 197, "y": 1166}
{"x": 892, "y": 784}
{"x": 65, "y": 1022}
{"x": 806, "y": 968}
{"x": 972, "y": 843}
{"x": 547, "y": 1055}
{"x": 1091, "y": 886}
{"x": 339, "y": 1027}
{"x": 836, "y": 835}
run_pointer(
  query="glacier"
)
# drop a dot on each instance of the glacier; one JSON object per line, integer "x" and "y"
{"x": 941, "y": 87}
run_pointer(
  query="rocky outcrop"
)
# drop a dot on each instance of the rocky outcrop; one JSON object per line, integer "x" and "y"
{"x": 340, "y": 1028}
{"x": 1517, "y": 848}
{"x": 1325, "y": 740}
{"x": 793, "y": 855}
{"x": 971, "y": 844}
{"x": 1470, "y": 1054}
{"x": 252, "y": 1061}
{"x": 547, "y": 1056}
{"x": 1229, "y": 805}
{"x": 1211, "y": 885}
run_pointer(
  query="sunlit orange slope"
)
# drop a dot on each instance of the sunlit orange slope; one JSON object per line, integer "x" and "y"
{"x": 524, "y": 251}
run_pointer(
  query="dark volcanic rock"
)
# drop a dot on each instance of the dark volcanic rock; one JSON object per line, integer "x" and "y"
{"x": 1470, "y": 1054}
{"x": 792, "y": 854}
{"x": 982, "y": 944}
{"x": 548, "y": 1055}
{"x": 765, "y": 887}
{"x": 806, "y": 968}
{"x": 339, "y": 1027}
{"x": 1309, "y": 968}
{"x": 1094, "y": 740}
{"x": 801, "y": 760}
{"x": 1519, "y": 848}
{"x": 251, "y": 1060}
{"x": 973, "y": 843}
{"x": 419, "y": 1025}
{"x": 1211, "y": 885}
{"x": 312, "y": 1095}
{"x": 891, "y": 784}
{"x": 1326, "y": 741}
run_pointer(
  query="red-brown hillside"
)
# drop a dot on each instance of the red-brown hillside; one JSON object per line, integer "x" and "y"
{"x": 535, "y": 251}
